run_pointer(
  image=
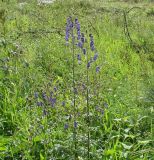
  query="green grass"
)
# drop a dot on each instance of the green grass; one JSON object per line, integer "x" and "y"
{"x": 34, "y": 58}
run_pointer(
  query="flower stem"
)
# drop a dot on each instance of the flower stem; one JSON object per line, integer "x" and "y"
{"x": 74, "y": 97}
{"x": 88, "y": 118}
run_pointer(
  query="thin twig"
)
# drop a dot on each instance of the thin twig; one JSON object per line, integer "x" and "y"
{"x": 126, "y": 30}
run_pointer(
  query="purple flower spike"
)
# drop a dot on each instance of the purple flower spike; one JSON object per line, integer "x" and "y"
{"x": 102, "y": 111}
{"x": 44, "y": 112}
{"x": 97, "y": 69}
{"x": 75, "y": 124}
{"x": 80, "y": 45}
{"x": 82, "y": 38}
{"x": 63, "y": 104}
{"x": 84, "y": 51}
{"x": 51, "y": 93}
{"x": 69, "y": 26}
{"x": 92, "y": 42}
{"x": 67, "y": 33}
{"x": 106, "y": 105}
{"x": 79, "y": 57}
{"x": 66, "y": 126}
{"x": 44, "y": 96}
{"x": 36, "y": 95}
{"x": 92, "y": 46}
{"x": 84, "y": 86}
{"x": 77, "y": 24}
{"x": 88, "y": 65}
{"x": 39, "y": 104}
{"x": 52, "y": 101}
{"x": 55, "y": 89}
{"x": 95, "y": 56}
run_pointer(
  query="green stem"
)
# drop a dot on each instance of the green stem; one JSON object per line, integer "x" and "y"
{"x": 88, "y": 118}
{"x": 74, "y": 97}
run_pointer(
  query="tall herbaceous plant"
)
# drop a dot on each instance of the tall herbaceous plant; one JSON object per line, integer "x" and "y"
{"x": 84, "y": 76}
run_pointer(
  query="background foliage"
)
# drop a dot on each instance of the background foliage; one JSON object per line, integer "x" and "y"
{"x": 35, "y": 60}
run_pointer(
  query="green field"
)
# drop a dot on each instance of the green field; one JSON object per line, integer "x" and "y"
{"x": 58, "y": 102}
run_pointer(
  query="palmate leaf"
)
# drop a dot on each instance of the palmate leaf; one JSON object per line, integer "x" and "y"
{"x": 115, "y": 134}
{"x": 109, "y": 152}
{"x": 140, "y": 119}
{"x": 127, "y": 130}
{"x": 37, "y": 139}
{"x": 3, "y": 148}
{"x": 144, "y": 142}
{"x": 3, "y": 142}
{"x": 129, "y": 136}
{"x": 41, "y": 157}
{"x": 125, "y": 146}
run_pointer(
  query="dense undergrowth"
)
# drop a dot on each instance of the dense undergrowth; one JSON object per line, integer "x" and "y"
{"x": 36, "y": 94}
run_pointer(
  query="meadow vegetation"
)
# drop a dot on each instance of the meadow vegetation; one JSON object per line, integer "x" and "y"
{"x": 58, "y": 102}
